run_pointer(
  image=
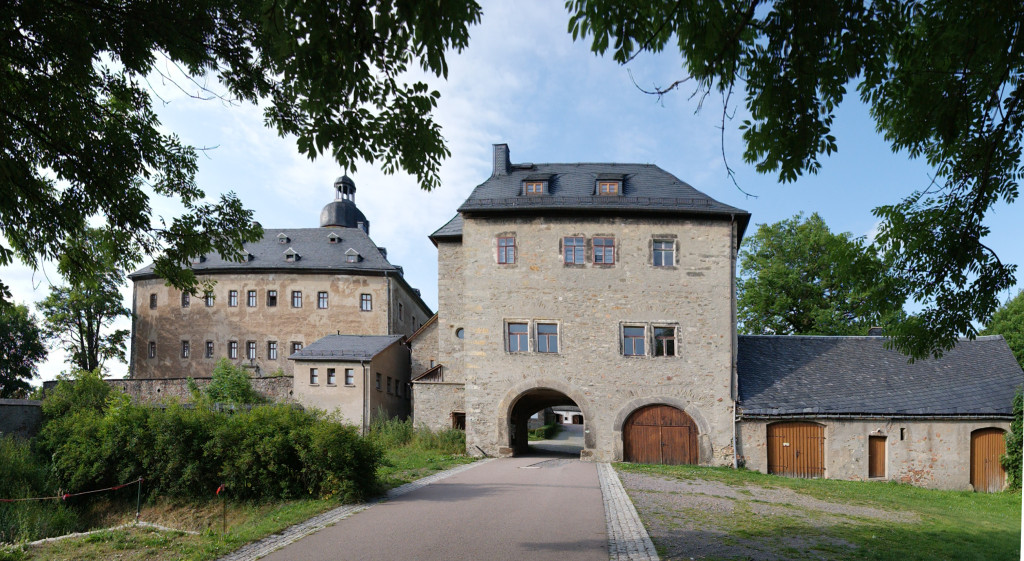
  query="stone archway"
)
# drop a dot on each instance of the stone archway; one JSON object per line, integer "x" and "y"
{"x": 532, "y": 395}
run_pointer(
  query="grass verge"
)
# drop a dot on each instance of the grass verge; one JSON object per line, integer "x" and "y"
{"x": 933, "y": 524}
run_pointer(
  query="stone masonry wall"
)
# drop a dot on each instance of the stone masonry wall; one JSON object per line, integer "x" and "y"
{"x": 590, "y": 304}
{"x": 434, "y": 403}
{"x": 931, "y": 453}
{"x": 277, "y": 389}
{"x": 20, "y": 417}
{"x": 169, "y": 323}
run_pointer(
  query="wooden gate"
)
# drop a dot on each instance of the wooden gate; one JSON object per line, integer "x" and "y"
{"x": 660, "y": 434}
{"x": 876, "y": 456}
{"x": 987, "y": 474}
{"x": 796, "y": 449}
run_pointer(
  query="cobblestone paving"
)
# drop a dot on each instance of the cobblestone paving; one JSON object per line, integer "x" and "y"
{"x": 292, "y": 534}
{"x": 627, "y": 538}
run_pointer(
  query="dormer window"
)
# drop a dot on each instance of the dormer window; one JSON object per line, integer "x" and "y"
{"x": 282, "y": 238}
{"x": 352, "y": 256}
{"x": 333, "y": 238}
{"x": 535, "y": 187}
{"x": 609, "y": 187}
{"x": 246, "y": 256}
{"x": 199, "y": 259}
{"x": 291, "y": 255}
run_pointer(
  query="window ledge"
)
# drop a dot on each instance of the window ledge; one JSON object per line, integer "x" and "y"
{"x": 332, "y": 385}
{"x": 314, "y": 384}
{"x": 350, "y": 385}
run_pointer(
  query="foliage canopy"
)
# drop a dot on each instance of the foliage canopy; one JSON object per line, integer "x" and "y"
{"x": 943, "y": 80}
{"x": 798, "y": 278}
{"x": 1008, "y": 321}
{"x": 79, "y": 138}
{"x": 21, "y": 349}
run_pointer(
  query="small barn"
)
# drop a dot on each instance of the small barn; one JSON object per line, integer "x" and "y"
{"x": 848, "y": 408}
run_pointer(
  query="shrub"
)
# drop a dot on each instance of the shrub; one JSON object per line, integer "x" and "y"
{"x": 449, "y": 441}
{"x": 390, "y": 432}
{"x": 545, "y": 432}
{"x": 231, "y": 384}
{"x": 25, "y": 476}
{"x": 1012, "y": 460}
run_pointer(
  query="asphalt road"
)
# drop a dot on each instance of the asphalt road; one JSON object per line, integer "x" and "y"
{"x": 526, "y": 508}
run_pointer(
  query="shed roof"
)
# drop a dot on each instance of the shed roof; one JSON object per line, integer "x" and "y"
{"x": 805, "y": 375}
{"x": 346, "y": 347}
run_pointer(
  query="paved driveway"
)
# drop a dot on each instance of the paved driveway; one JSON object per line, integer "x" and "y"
{"x": 517, "y": 509}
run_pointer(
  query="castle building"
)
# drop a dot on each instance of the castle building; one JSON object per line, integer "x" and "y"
{"x": 292, "y": 288}
{"x": 611, "y": 288}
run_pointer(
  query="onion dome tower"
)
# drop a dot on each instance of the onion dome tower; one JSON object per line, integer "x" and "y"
{"x": 342, "y": 211}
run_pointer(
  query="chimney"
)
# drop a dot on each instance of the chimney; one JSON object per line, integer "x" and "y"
{"x": 502, "y": 165}
{"x": 875, "y": 332}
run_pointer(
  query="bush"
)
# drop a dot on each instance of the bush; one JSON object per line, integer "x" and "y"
{"x": 545, "y": 432}
{"x": 1012, "y": 460}
{"x": 231, "y": 384}
{"x": 25, "y": 476}
{"x": 390, "y": 432}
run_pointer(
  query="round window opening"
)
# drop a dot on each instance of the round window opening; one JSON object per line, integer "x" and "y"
{"x": 460, "y": 333}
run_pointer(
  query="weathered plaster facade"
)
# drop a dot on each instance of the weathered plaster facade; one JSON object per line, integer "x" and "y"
{"x": 932, "y": 453}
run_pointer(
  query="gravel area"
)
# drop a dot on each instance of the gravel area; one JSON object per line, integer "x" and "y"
{"x": 695, "y": 519}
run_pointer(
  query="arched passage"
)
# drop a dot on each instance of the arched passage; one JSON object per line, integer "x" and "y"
{"x": 529, "y": 397}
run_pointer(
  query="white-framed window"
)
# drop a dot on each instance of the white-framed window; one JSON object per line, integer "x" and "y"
{"x": 271, "y": 350}
{"x": 250, "y": 298}
{"x": 330, "y": 377}
{"x": 365, "y": 302}
{"x": 185, "y": 349}
{"x": 232, "y": 349}
{"x": 250, "y": 349}
{"x": 208, "y": 298}
{"x": 296, "y": 298}
{"x": 321, "y": 300}
{"x": 233, "y": 298}
{"x": 664, "y": 253}
{"x": 271, "y": 298}
{"x": 314, "y": 376}
{"x": 350, "y": 377}
{"x": 209, "y": 349}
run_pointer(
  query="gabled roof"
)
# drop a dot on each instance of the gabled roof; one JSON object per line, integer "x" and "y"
{"x": 646, "y": 188}
{"x": 422, "y": 328}
{"x": 451, "y": 230}
{"x": 346, "y": 347}
{"x": 312, "y": 244}
{"x": 803, "y": 375}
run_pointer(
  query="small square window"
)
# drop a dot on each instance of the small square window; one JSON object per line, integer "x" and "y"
{"x": 296, "y": 298}
{"x": 330, "y": 377}
{"x": 233, "y": 298}
{"x": 271, "y": 298}
{"x": 208, "y": 298}
{"x": 365, "y": 302}
{"x": 232, "y": 349}
{"x": 608, "y": 187}
{"x": 517, "y": 338}
{"x": 534, "y": 187}
{"x": 152, "y": 349}
{"x": 321, "y": 300}
{"x": 250, "y": 298}
{"x": 152, "y": 301}
{"x": 271, "y": 350}
{"x": 186, "y": 300}
{"x": 547, "y": 338}
{"x": 185, "y": 349}
{"x": 507, "y": 250}
{"x": 352, "y": 258}
{"x": 604, "y": 251}
{"x": 314, "y": 377}
{"x": 574, "y": 248}
{"x": 633, "y": 341}
{"x": 296, "y": 347}
{"x": 250, "y": 349}
{"x": 664, "y": 341}
{"x": 350, "y": 377}
{"x": 209, "y": 349}
{"x": 664, "y": 253}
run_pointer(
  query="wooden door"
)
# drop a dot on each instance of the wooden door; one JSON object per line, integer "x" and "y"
{"x": 987, "y": 446}
{"x": 660, "y": 434}
{"x": 876, "y": 456}
{"x": 796, "y": 449}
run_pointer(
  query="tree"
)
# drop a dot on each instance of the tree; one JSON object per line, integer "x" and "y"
{"x": 21, "y": 349}
{"x": 943, "y": 80}
{"x": 1008, "y": 321}
{"x": 79, "y": 138}
{"x": 79, "y": 316}
{"x": 231, "y": 384}
{"x": 798, "y": 278}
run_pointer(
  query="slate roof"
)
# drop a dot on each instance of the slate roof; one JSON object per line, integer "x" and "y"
{"x": 315, "y": 253}
{"x": 803, "y": 375}
{"x": 645, "y": 188}
{"x": 452, "y": 229}
{"x": 346, "y": 347}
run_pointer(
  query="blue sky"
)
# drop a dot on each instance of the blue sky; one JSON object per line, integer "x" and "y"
{"x": 524, "y": 82}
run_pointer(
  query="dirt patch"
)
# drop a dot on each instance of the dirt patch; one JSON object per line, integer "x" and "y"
{"x": 697, "y": 519}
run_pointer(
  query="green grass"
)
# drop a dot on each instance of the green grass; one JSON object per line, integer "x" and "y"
{"x": 409, "y": 463}
{"x": 946, "y": 524}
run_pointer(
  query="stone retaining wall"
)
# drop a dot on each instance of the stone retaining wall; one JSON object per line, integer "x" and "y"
{"x": 20, "y": 417}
